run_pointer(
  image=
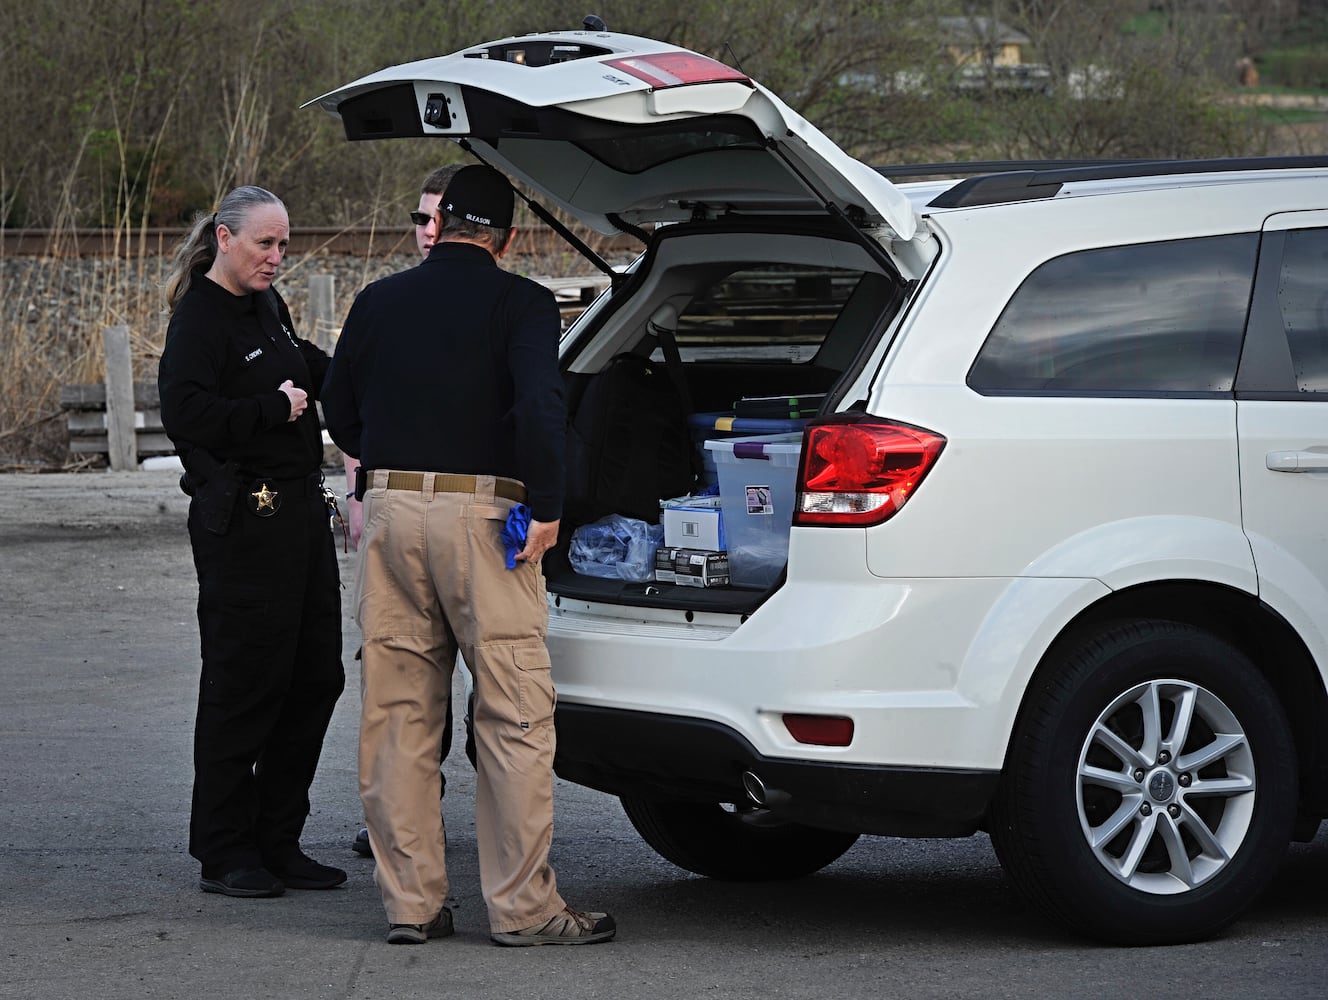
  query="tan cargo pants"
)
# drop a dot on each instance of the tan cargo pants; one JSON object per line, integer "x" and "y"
{"x": 432, "y": 578}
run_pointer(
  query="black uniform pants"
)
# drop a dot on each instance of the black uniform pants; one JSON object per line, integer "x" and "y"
{"x": 269, "y": 616}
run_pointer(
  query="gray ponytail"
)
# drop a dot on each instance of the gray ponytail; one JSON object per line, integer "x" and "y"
{"x": 199, "y": 248}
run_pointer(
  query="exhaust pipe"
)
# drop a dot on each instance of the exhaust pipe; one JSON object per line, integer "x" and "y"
{"x": 754, "y": 787}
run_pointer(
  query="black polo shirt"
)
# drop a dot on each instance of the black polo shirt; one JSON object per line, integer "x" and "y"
{"x": 452, "y": 366}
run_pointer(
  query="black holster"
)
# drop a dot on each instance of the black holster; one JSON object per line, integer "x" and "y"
{"x": 214, "y": 486}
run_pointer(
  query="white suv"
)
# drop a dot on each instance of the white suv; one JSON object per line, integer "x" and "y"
{"x": 1057, "y": 553}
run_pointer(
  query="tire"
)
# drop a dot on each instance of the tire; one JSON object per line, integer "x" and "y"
{"x": 734, "y": 845}
{"x": 1122, "y": 812}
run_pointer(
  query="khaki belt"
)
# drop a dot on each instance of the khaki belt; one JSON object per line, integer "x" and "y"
{"x": 508, "y": 489}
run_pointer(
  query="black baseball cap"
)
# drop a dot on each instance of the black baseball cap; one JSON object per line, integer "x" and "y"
{"x": 481, "y": 195}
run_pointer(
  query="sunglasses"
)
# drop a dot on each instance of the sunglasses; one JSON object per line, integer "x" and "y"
{"x": 421, "y": 218}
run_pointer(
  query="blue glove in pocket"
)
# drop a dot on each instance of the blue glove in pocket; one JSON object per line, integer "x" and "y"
{"x": 514, "y": 532}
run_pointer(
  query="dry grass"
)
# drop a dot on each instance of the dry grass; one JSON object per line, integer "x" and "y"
{"x": 53, "y": 311}
{"x": 51, "y": 323}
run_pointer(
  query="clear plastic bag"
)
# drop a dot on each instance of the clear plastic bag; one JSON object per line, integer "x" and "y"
{"x": 616, "y": 548}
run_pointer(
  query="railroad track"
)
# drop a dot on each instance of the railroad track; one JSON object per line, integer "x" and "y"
{"x": 334, "y": 240}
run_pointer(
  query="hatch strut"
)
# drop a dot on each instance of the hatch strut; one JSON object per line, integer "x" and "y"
{"x": 578, "y": 244}
{"x": 851, "y": 225}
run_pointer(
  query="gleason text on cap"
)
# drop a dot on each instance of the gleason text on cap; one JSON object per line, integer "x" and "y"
{"x": 481, "y": 195}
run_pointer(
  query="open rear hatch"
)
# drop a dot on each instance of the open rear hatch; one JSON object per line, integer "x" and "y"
{"x": 621, "y": 131}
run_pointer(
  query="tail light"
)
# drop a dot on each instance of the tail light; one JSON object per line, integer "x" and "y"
{"x": 674, "y": 69}
{"x": 859, "y": 470}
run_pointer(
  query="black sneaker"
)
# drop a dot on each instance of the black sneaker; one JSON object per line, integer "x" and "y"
{"x": 250, "y": 883}
{"x": 360, "y": 845}
{"x": 299, "y": 871}
{"x": 439, "y": 927}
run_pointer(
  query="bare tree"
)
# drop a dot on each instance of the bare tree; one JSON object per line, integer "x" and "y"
{"x": 153, "y": 107}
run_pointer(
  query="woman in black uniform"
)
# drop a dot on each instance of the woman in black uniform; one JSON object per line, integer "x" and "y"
{"x": 237, "y": 390}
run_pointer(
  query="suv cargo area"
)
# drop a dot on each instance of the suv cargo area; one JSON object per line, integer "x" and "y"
{"x": 759, "y": 310}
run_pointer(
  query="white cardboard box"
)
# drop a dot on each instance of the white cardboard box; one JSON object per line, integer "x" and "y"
{"x": 699, "y": 525}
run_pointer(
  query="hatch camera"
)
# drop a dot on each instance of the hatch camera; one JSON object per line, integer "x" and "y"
{"x": 435, "y": 111}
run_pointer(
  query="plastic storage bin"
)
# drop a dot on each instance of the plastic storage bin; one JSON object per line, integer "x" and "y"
{"x": 717, "y": 426}
{"x": 757, "y": 476}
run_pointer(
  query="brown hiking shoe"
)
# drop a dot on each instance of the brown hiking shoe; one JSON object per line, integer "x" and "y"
{"x": 568, "y": 927}
{"x": 439, "y": 927}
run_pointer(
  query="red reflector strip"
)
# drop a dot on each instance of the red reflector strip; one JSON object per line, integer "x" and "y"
{"x": 673, "y": 69}
{"x": 820, "y": 730}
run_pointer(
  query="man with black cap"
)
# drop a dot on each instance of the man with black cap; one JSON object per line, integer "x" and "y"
{"x": 445, "y": 385}
{"x": 425, "y": 221}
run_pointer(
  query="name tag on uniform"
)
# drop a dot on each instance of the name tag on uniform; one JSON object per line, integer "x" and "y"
{"x": 253, "y": 354}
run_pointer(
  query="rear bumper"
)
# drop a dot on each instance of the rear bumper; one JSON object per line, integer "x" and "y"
{"x": 648, "y": 755}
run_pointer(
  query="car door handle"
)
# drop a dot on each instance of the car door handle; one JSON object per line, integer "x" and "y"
{"x": 1298, "y": 461}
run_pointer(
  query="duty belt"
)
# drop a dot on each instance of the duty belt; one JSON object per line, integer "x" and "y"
{"x": 263, "y": 494}
{"x": 444, "y": 482}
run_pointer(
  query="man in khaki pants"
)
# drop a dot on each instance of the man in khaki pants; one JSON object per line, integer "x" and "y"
{"x": 445, "y": 385}
{"x": 425, "y": 221}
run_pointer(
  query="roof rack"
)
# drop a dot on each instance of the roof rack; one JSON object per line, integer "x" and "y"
{"x": 1000, "y": 182}
{"x": 953, "y": 168}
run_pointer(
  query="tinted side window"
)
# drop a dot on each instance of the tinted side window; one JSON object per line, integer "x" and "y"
{"x": 1153, "y": 317}
{"x": 1302, "y": 295}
